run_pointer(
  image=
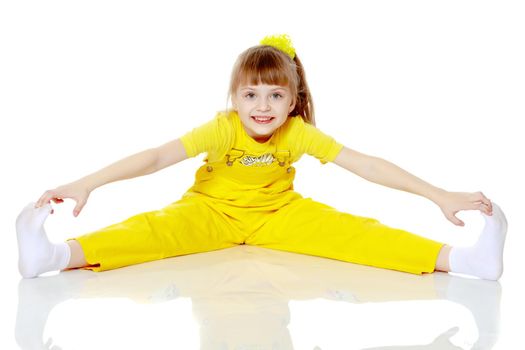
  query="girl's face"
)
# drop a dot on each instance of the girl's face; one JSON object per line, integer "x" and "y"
{"x": 262, "y": 108}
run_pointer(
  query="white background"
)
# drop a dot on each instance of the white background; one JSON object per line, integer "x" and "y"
{"x": 434, "y": 87}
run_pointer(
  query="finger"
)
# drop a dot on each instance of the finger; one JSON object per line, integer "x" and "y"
{"x": 37, "y": 203}
{"x": 484, "y": 205}
{"x": 452, "y": 218}
{"x": 484, "y": 199}
{"x": 473, "y": 205}
{"x": 43, "y": 199}
{"x": 46, "y": 198}
{"x": 484, "y": 208}
{"x": 78, "y": 208}
{"x": 489, "y": 206}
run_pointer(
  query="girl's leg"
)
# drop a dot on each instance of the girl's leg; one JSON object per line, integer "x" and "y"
{"x": 309, "y": 227}
{"x": 77, "y": 259}
{"x": 443, "y": 258}
{"x": 190, "y": 225}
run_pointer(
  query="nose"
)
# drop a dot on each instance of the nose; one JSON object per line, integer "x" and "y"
{"x": 263, "y": 105}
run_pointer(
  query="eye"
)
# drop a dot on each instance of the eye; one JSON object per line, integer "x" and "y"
{"x": 249, "y": 95}
{"x": 277, "y": 95}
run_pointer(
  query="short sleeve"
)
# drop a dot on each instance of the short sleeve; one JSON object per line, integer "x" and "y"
{"x": 316, "y": 143}
{"x": 214, "y": 137}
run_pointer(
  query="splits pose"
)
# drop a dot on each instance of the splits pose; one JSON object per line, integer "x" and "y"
{"x": 244, "y": 194}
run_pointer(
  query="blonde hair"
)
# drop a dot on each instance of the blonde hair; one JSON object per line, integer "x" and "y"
{"x": 267, "y": 65}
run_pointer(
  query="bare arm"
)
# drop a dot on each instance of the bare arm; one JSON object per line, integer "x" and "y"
{"x": 138, "y": 164}
{"x": 382, "y": 172}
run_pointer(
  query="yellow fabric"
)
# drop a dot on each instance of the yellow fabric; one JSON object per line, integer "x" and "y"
{"x": 243, "y": 194}
{"x": 225, "y": 131}
{"x": 259, "y": 173}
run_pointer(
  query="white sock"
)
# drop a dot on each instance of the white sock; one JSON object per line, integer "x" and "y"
{"x": 485, "y": 258}
{"x": 36, "y": 254}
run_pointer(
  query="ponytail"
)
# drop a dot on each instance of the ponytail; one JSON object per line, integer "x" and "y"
{"x": 304, "y": 105}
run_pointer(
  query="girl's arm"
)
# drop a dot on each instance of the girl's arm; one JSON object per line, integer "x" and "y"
{"x": 139, "y": 164}
{"x": 382, "y": 172}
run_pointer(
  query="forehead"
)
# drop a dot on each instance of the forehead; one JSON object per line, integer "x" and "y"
{"x": 263, "y": 87}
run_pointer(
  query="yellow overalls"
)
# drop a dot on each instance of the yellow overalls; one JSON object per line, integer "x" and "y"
{"x": 243, "y": 194}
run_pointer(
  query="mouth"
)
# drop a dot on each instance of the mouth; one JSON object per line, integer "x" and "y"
{"x": 262, "y": 119}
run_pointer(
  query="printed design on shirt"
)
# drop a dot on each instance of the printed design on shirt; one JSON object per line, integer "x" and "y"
{"x": 266, "y": 159}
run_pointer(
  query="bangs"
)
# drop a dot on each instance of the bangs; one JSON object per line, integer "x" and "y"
{"x": 263, "y": 65}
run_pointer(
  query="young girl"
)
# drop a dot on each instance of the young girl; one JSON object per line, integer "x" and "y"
{"x": 244, "y": 194}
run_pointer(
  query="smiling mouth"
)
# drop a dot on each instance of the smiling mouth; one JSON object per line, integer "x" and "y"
{"x": 262, "y": 120}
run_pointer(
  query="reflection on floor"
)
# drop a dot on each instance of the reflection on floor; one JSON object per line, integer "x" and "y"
{"x": 240, "y": 296}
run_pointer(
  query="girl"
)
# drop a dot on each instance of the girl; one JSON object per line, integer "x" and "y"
{"x": 244, "y": 194}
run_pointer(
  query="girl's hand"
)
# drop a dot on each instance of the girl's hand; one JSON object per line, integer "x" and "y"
{"x": 452, "y": 202}
{"x": 75, "y": 190}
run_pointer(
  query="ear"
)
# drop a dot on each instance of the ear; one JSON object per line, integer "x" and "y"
{"x": 292, "y": 106}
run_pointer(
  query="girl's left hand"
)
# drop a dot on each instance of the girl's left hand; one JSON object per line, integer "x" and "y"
{"x": 452, "y": 202}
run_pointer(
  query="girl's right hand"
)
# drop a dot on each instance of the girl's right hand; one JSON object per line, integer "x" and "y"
{"x": 75, "y": 190}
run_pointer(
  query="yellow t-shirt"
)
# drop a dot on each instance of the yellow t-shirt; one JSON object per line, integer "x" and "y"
{"x": 238, "y": 168}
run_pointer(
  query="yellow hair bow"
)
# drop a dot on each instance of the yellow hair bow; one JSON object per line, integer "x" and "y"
{"x": 281, "y": 42}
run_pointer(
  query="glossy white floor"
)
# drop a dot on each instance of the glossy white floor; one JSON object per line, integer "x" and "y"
{"x": 255, "y": 298}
